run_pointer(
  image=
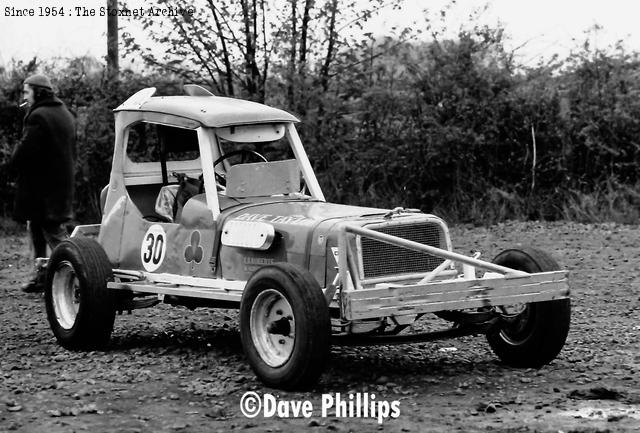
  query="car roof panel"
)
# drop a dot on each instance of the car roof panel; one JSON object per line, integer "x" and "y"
{"x": 213, "y": 111}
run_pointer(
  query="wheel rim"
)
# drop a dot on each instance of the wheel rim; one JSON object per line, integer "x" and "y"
{"x": 517, "y": 328}
{"x": 517, "y": 318}
{"x": 272, "y": 327}
{"x": 65, "y": 294}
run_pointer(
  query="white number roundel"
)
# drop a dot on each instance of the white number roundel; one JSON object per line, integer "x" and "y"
{"x": 154, "y": 245}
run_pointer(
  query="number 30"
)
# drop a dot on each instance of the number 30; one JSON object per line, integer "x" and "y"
{"x": 153, "y": 248}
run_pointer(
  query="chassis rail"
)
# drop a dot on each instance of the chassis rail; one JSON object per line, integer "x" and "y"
{"x": 418, "y": 337}
{"x": 174, "y": 285}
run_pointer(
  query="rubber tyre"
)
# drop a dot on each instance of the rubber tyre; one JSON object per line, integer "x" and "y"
{"x": 310, "y": 347}
{"x": 89, "y": 324}
{"x": 541, "y": 330}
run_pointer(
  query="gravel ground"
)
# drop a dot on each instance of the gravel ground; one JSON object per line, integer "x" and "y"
{"x": 174, "y": 370}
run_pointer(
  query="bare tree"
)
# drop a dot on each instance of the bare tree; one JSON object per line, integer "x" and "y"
{"x": 238, "y": 47}
{"x": 112, "y": 43}
{"x": 331, "y": 42}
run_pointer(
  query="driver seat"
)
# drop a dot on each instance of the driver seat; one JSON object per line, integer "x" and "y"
{"x": 171, "y": 198}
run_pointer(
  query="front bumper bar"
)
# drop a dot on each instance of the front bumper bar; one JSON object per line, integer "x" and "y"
{"x": 394, "y": 300}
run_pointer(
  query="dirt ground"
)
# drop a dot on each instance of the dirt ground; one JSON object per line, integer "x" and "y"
{"x": 174, "y": 370}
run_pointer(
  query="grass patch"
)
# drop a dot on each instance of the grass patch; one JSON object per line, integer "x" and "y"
{"x": 612, "y": 202}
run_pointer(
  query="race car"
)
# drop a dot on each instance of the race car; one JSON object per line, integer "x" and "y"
{"x": 213, "y": 202}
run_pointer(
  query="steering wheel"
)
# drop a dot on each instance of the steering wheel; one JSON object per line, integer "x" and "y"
{"x": 246, "y": 153}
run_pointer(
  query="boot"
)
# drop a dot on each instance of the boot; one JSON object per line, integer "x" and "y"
{"x": 36, "y": 284}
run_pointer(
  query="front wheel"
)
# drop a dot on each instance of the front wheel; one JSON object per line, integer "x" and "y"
{"x": 285, "y": 326}
{"x": 80, "y": 307}
{"x": 533, "y": 334}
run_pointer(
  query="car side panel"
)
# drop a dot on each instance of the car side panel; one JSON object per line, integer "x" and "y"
{"x": 188, "y": 247}
{"x": 289, "y": 246}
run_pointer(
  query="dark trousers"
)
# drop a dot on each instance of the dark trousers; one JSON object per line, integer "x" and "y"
{"x": 46, "y": 233}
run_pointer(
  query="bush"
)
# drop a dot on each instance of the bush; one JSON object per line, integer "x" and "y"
{"x": 452, "y": 127}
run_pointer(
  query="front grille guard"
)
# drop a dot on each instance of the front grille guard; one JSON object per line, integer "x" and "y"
{"x": 350, "y": 271}
{"x": 361, "y": 298}
{"x": 377, "y": 260}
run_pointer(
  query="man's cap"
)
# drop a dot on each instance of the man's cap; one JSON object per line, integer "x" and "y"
{"x": 39, "y": 80}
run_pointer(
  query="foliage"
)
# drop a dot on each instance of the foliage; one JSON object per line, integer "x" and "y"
{"x": 453, "y": 126}
{"x": 457, "y": 128}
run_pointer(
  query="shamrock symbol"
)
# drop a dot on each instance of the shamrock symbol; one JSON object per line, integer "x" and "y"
{"x": 194, "y": 252}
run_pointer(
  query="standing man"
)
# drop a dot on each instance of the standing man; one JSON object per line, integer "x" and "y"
{"x": 44, "y": 162}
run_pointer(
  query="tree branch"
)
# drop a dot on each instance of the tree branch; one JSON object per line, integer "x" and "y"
{"x": 225, "y": 52}
{"x": 324, "y": 70}
{"x": 203, "y": 63}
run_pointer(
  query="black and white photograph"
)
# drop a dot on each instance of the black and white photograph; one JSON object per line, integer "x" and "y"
{"x": 319, "y": 215}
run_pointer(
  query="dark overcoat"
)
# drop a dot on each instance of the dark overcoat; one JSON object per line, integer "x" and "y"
{"x": 44, "y": 164}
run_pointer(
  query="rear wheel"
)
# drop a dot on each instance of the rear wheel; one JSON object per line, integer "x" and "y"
{"x": 80, "y": 307}
{"x": 285, "y": 326}
{"x": 530, "y": 335}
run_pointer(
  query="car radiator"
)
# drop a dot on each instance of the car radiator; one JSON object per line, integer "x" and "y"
{"x": 381, "y": 259}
